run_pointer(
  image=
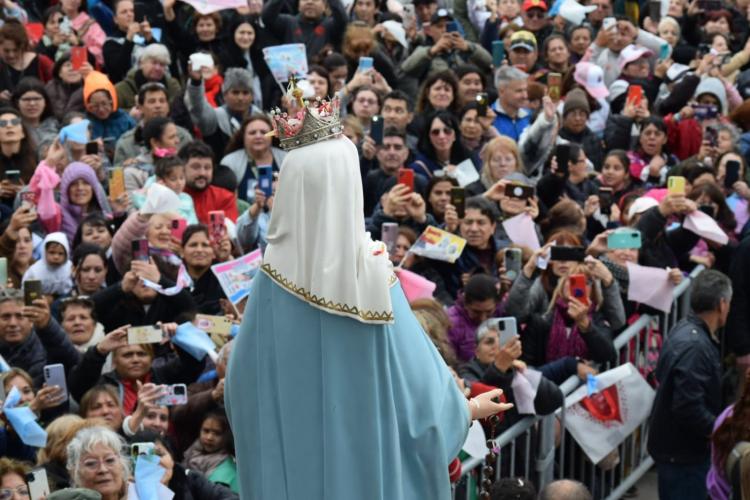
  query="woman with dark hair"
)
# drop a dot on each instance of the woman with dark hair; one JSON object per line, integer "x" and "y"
{"x": 17, "y": 58}
{"x": 439, "y": 147}
{"x": 198, "y": 254}
{"x": 17, "y": 244}
{"x": 579, "y": 38}
{"x": 649, "y": 158}
{"x": 243, "y": 50}
{"x": 31, "y": 99}
{"x": 185, "y": 484}
{"x": 439, "y": 198}
{"x": 476, "y": 131}
{"x": 710, "y": 200}
{"x": 615, "y": 174}
{"x": 556, "y": 54}
{"x": 58, "y": 38}
{"x": 731, "y": 427}
{"x": 249, "y": 148}
{"x": 439, "y": 92}
{"x": 319, "y": 78}
{"x": 81, "y": 193}
{"x": 470, "y": 83}
{"x": 160, "y": 139}
{"x": 17, "y": 152}
{"x": 65, "y": 89}
{"x": 90, "y": 34}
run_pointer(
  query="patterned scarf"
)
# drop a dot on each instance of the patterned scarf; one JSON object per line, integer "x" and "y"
{"x": 561, "y": 344}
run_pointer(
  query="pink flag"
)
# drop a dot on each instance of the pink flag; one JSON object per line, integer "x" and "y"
{"x": 415, "y": 286}
{"x": 650, "y": 286}
{"x": 521, "y": 231}
{"x": 705, "y": 227}
{"x": 209, "y": 6}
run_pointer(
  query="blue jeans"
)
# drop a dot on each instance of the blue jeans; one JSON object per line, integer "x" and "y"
{"x": 682, "y": 481}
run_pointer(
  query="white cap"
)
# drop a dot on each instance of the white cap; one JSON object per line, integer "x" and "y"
{"x": 591, "y": 77}
{"x": 632, "y": 53}
{"x": 640, "y": 205}
{"x": 396, "y": 29}
{"x": 574, "y": 12}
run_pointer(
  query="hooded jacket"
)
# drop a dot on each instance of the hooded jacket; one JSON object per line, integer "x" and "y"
{"x": 56, "y": 279}
{"x": 72, "y": 215}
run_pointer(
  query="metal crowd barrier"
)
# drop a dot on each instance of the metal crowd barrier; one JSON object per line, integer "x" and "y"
{"x": 540, "y": 449}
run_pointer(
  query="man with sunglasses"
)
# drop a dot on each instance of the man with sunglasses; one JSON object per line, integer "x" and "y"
{"x": 536, "y": 19}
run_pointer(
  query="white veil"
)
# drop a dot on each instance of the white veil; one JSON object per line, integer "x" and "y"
{"x": 318, "y": 248}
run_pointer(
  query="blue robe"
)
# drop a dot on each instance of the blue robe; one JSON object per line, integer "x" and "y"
{"x": 324, "y": 407}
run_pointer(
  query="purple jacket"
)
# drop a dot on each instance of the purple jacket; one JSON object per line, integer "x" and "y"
{"x": 463, "y": 332}
{"x": 72, "y": 215}
{"x": 716, "y": 483}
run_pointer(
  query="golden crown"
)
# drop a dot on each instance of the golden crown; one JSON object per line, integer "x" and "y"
{"x": 313, "y": 122}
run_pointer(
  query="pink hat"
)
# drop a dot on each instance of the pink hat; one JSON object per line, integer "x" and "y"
{"x": 632, "y": 53}
{"x": 591, "y": 77}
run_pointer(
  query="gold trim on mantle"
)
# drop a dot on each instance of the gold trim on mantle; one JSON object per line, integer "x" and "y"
{"x": 321, "y": 302}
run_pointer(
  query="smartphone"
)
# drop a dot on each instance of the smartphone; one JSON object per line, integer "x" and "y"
{"x": 116, "y": 183}
{"x": 28, "y": 197}
{"x": 663, "y": 51}
{"x": 92, "y": 148}
{"x": 137, "y": 449}
{"x": 220, "y": 325}
{"x": 13, "y": 176}
{"x": 482, "y": 102}
{"x": 554, "y": 84}
{"x": 574, "y": 254}
{"x": 37, "y": 482}
{"x": 605, "y": 200}
{"x": 705, "y": 111}
{"x": 654, "y": 10}
{"x": 145, "y": 335}
{"x": 451, "y": 27}
{"x": 32, "y": 290}
{"x": 519, "y": 191}
{"x": 140, "y": 12}
{"x": 498, "y": 53}
{"x": 216, "y": 227}
{"x": 731, "y": 173}
{"x": 265, "y": 179}
{"x": 624, "y": 238}
{"x": 676, "y": 185}
{"x": 513, "y": 263}
{"x": 376, "y": 129}
{"x": 458, "y": 200}
{"x": 55, "y": 375}
{"x": 635, "y": 95}
{"x": 3, "y": 274}
{"x": 178, "y": 228}
{"x": 140, "y": 249}
{"x": 562, "y": 154}
{"x": 175, "y": 394}
{"x": 711, "y": 135}
{"x": 609, "y": 23}
{"x": 577, "y": 288}
{"x": 365, "y": 64}
{"x": 406, "y": 177}
{"x": 506, "y": 328}
{"x": 389, "y": 235}
{"x": 78, "y": 57}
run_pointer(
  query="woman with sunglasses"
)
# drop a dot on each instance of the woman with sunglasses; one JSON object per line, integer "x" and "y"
{"x": 17, "y": 155}
{"x": 439, "y": 147}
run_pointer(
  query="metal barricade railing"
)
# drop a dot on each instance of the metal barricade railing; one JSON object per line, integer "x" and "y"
{"x": 553, "y": 452}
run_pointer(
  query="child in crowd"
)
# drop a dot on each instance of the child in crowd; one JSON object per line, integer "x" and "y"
{"x": 55, "y": 269}
{"x": 212, "y": 454}
{"x": 170, "y": 172}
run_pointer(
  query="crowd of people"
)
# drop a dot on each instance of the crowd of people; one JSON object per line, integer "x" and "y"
{"x": 129, "y": 166}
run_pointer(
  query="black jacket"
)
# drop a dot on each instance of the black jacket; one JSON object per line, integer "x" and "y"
{"x": 688, "y": 399}
{"x": 662, "y": 248}
{"x": 29, "y": 355}
{"x": 181, "y": 368}
{"x": 207, "y": 293}
{"x": 737, "y": 336}
{"x": 329, "y": 30}
{"x": 115, "y": 308}
{"x": 189, "y": 485}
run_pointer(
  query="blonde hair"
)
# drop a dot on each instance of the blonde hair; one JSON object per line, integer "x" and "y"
{"x": 59, "y": 434}
{"x": 579, "y": 268}
{"x": 435, "y": 322}
{"x": 489, "y": 150}
{"x": 671, "y": 22}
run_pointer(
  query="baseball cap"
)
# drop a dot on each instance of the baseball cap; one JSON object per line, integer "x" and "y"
{"x": 534, "y": 4}
{"x": 632, "y": 53}
{"x": 591, "y": 77}
{"x": 396, "y": 29}
{"x": 523, "y": 40}
{"x": 441, "y": 15}
{"x": 640, "y": 205}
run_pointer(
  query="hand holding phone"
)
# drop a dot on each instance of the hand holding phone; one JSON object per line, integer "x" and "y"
{"x": 482, "y": 103}
{"x": 265, "y": 179}
{"x": 676, "y": 185}
{"x": 376, "y": 129}
{"x": 562, "y": 155}
{"x": 216, "y": 226}
{"x": 605, "y": 200}
{"x": 577, "y": 288}
{"x": 458, "y": 200}
{"x": 731, "y": 173}
{"x": 406, "y": 177}
{"x": 78, "y": 57}
{"x": 178, "y": 228}
{"x": 32, "y": 290}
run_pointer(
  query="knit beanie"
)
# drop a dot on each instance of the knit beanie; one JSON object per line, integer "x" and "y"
{"x": 576, "y": 100}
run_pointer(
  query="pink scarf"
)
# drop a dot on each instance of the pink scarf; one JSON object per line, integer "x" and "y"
{"x": 560, "y": 344}
{"x": 43, "y": 184}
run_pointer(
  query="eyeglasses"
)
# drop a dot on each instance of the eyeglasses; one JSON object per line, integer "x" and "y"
{"x": 22, "y": 491}
{"x": 437, "y": 131}
{"x": 94, "y": 464}
{"x": 10, "y": 123}
{"x": 538, "y": 14}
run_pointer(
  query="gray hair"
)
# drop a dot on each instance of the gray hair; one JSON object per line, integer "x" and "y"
{"x": 565, "y": 489}
{"x": 671, "y": 22}
{"x": 506, "y": 74}
{"x": 85, "y": 440}
{"x": 157, "y": 52}
{"x": 237, "y": 78}
{"x": 734, "y": 132}
{"x": 708, "y": 288}
{"x": 487, "y": 326}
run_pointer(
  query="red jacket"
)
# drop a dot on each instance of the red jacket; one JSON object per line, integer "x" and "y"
{"x": 684, "y": 137}
{"x": 213, "y": 198}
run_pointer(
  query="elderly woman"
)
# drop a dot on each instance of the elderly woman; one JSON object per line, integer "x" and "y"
{"x": 499, "y": 157}
{"x": 96, "y": 462}
{"x": 13, "y": 479}
{"x": 155, "y": 228}
{"x": 78, "y": 319}
{"x": 81, "y": 193}
{"x": 249, "y": 148}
